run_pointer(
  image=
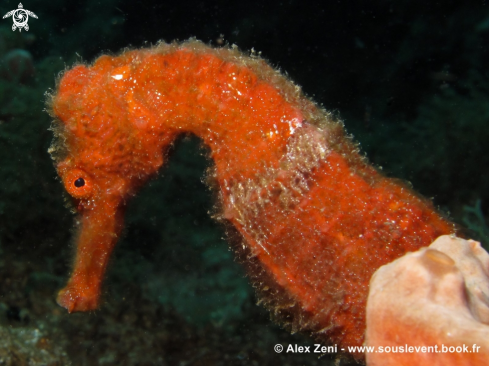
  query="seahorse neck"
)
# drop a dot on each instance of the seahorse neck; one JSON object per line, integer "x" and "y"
{"x": 244, "y": 120}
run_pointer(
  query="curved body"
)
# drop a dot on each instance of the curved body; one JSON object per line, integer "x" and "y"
{"x": 315, "y": 220}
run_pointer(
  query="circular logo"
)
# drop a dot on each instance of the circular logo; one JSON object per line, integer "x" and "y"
{"x": 20, "y": 18}
{"x": 278, "y": 348}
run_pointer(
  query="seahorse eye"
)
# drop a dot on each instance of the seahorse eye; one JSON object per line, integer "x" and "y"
{"x": 80, "y": 182}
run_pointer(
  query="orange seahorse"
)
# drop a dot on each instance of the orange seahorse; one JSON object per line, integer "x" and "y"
{"x": 314, "y": 219}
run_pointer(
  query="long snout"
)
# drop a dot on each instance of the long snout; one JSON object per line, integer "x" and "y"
{"x": 101, "y": 223}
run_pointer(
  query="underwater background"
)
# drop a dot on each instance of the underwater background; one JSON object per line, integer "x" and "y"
{"x": 410, "y": 79}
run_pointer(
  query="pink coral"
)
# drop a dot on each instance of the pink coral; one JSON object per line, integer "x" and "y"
{"x": 436, "y": 297}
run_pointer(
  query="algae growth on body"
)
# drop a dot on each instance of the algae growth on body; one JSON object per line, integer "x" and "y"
{"x": 314, "y": 220}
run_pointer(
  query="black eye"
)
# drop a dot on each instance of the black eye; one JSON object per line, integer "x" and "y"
{"x": 80, "y": 182}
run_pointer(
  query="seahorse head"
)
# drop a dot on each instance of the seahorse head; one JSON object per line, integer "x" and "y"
{"x": 102, "y": 157}
{"x": 97, "y": 148}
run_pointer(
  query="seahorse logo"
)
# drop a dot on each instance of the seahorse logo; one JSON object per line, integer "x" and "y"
{"x": 20, "y": 17}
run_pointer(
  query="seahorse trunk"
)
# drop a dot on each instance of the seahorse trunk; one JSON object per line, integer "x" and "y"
{"x": 320, "y": 229}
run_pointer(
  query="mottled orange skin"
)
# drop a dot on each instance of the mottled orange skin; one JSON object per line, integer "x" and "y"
{"x": 120, "y": 115}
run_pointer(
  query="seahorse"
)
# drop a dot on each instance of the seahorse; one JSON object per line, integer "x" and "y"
{"x": 310, "y": 217}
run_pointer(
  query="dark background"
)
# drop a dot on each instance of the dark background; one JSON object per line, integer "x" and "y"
{"x": 409, "y": 79}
